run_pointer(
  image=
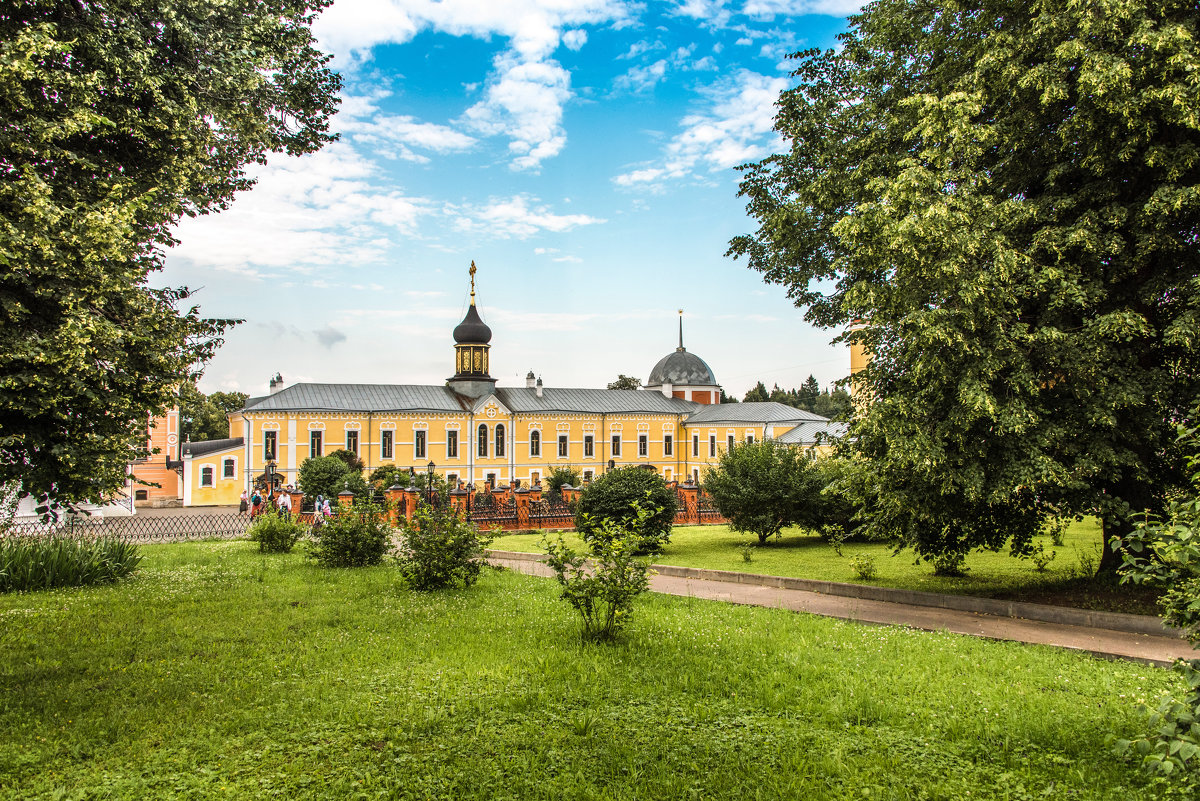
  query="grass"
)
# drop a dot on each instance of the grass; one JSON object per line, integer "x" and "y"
{"x": 217, "y": 672}
{"x": 1066, "y": 581}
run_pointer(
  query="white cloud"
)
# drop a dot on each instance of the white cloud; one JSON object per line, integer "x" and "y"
{"x": 793, "y": 8}
{"x": 527, "y": 89}
{"x": 737, "y": 127}
{"x": 641, "y": 79}
{"x": 324, "y": 208}
{"x": 396, "y": 136}
{"x": 520, "y": 217}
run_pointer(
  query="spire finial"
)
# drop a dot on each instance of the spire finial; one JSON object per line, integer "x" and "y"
{"x": 472, "y": 271}
{"x": 680, "y": 348}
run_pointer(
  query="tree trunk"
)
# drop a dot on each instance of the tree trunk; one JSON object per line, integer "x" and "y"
{"x": 1116, "y": 526}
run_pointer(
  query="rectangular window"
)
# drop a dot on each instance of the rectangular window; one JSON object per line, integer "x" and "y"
{"x": 535, "y": 443}
{"x": 562, "y": 446}
{"x": 587, "y": 476}
{"x": 270, "y": 441}
{"x": 314, "y": 444}
{"x": 452, "y": 480}
{"x": 695, "y": 445}
{"x": 386, "y": 443}
{"x": 352, "y": 441}
{"x": 730, "y": 442}
{"x": 643, "y": 445}
{"x": 589, "y": 446}
{"x": 206, "y": 477}
{"x": 749, "y": 439}
{"x": 491, "y": 479}
{"x": 668, "y": 445}
{"x": 616, "y": 445}
{"x": 712, "y": 445}
{"x": 419, "y": 445}
{"x": 451, "y": 444}
{"x": 229, "y": 468}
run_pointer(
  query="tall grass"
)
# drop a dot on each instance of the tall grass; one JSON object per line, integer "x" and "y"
{"x": 41, "y": 563}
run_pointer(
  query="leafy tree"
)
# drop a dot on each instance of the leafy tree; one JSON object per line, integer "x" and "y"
{"x": 626, "y": 382}
{"x": 352, "y": 459}
{"x": 441, "y": 549}
{"x": 387, "y": 476}
{"x": 757, "y": 394}
{"x": 835, "y": 405}
{"x": 329, "y": 476}
{"x": 764, "y": 487}
{"x": 726, "y": 398}
{"x": 617, "y": 496}
{"x": 205, "y": 417}
{"x": 556, "y": 478}
{"x": 1005, "y": 192}
{"x": 118, "y": 117}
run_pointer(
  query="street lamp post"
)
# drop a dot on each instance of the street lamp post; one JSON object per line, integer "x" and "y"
{"x": 429, "y": 480}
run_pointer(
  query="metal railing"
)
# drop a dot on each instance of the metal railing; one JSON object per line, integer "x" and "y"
{"x": 167, "y": 528}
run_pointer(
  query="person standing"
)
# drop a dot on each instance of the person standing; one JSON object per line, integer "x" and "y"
{"x": 285, "y": 505}
{"x": 243, "y": 504}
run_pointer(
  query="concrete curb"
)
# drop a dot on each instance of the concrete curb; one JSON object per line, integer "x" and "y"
{"x": 1111, "y": 621}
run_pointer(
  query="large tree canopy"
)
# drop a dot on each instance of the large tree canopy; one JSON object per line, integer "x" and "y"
{"x": 116, "y": 118}
{"x": 1006, "y": 195}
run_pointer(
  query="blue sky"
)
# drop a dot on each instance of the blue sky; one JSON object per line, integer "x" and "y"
{"x": 582, "y": 152}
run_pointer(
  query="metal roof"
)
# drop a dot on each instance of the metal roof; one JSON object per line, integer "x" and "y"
{"x": 206, "y": 446}
{"x": 759, "y": 412}
{"x": 595, "y": 401}
{"x": 681, "y": 369}
{"x": 806, "y": 433}
{"x": 360, "y": 398}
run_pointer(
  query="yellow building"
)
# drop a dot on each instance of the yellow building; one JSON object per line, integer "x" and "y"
{"x": 471, "y": 430}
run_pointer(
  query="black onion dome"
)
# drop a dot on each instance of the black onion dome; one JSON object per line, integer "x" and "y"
{"x": 472, "y": 330}
{"x": 681, "y": 368}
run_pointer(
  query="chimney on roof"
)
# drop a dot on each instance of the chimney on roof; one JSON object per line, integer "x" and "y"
{"x": 529, "y": 382}
{"x": 276, "y": 383}
{"x": 539, "y": 386}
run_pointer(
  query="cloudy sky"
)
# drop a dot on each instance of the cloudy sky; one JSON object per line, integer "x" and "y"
{"x": 582, "y": 152}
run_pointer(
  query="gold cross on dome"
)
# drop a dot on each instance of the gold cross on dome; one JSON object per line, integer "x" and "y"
{"x": 472, "y": 271}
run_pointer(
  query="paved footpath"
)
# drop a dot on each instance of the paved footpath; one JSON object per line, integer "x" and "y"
{"x": 1106, "y": 643}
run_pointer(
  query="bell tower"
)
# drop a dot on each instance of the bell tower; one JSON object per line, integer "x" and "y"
{"x": 471, "y": 338}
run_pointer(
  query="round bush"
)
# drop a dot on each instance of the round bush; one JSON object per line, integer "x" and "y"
{"x": 275, "y": 533}
{"x": 613, "y": 496}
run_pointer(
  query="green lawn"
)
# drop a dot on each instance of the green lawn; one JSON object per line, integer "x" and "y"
{"x": 219, "y": 673}
{"x": 993, "y": 574}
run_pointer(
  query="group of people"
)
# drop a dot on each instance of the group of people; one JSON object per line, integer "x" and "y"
{"x": 256, "y": 503}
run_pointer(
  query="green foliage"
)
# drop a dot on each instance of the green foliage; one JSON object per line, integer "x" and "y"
{"x": 864, "y": 566}
{"x": 206, "y": 416}
{"x": 329, "y": 476}
{"x": 120, "y": 117}
{"x": 441, "y": 549}
{"x": 602, "y": 589}
{"x": 357, "y": 536}
{"x": 810, "y": 397}
{"x": 59, "y": 560}
{"x": 275, "y": 533}
{"x": 619, "y": 496}
{"x": 1040, "y": 558}
{"x": 1004, "y": 195}
{"x": 557, "y": 477}
{"x": 387, "y": 476}
{"x": 626, "y": 382}
{"x": 352, "y": 460}
{"x": 763, "y": 487}
{"x": 1165, "y": 551}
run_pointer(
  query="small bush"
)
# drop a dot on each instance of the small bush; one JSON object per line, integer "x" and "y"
{"x": 1041, "y": 560}
{"x": 620, "y": 497}
{"x": 863, "y": 566}
{"x": 747, "y": 549}
{"x": 441, "y": 549}
{"x": 275, "y": 533}
{"x": 602, "y": 590}
{"x": 41, "y": 563}
{"x": 357, "y": 537}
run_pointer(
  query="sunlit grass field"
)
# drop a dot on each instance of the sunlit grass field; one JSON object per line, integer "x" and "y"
{"x": 217, "y": 672}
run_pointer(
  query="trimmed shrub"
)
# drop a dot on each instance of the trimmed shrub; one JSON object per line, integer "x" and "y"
{"x": 275, "y": 533}
{"x": 41, "y": 563}
{"x": 636, "y": 501}
{"x": 441, "y": 550}
{"x": 329, "y": 476}
{"x": 602, "y": 590}
{"x": 357, "y": 537}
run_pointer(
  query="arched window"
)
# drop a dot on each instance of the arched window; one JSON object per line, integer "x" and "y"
{"x": 499, "y": 440}
{"x": 483, "y": 441}
{"x": 535, "y": 443}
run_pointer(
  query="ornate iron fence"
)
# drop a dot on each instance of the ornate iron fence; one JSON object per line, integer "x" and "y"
{"x": 166, "y": 528}
{"x": 551, "y": 514}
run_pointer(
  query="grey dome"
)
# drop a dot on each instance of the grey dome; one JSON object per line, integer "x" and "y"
{"x": 472, "y": 330}
{"x": 681, "y": 369}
